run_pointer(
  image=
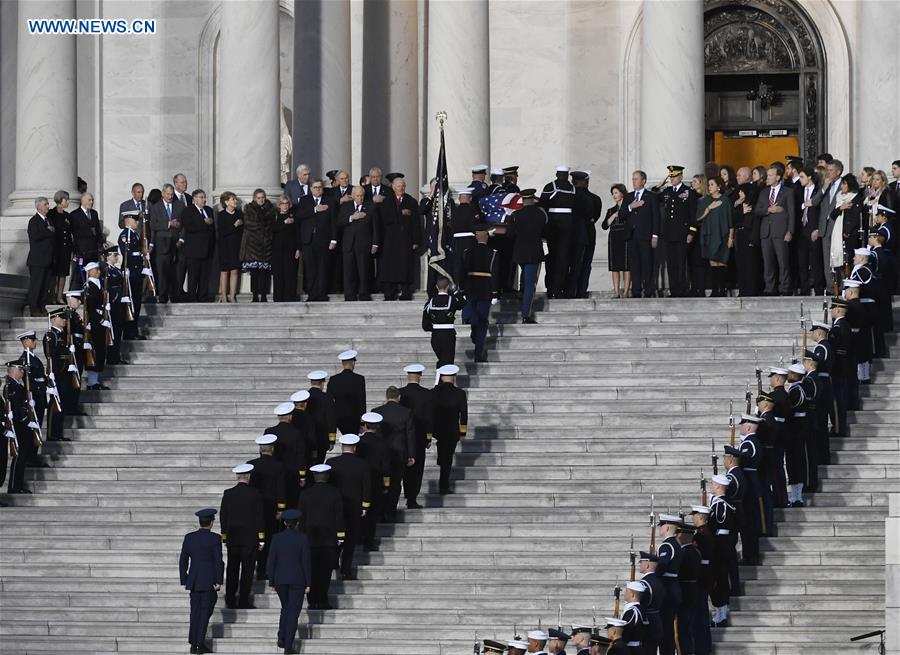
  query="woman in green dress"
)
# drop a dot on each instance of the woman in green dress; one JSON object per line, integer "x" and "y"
{"x": 715, "y": 216}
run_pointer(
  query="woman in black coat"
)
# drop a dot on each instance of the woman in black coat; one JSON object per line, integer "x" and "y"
{"x": 229, "y": 229}
{"x": 398, "y": 235}
{"x": 617, "y": 253}
{"x": 62, "y": 242}
{"x": 256, "y": 244}
{"x": 285, "y": 253}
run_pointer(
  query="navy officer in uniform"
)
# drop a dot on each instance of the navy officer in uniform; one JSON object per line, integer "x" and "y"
{"x": 288, "y": 570}
{"x": 479, "y": 282}
{"x": 201, "y": 569}
{"x": 450, "y": 418}
{"x": 244, "y": 532}
{"x": 348, "y": 389}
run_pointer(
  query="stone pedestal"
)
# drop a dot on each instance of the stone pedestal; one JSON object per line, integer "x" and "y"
{"x": 459, "y": 84}
{"x": 248, "y": 130}
{"x": 322, "y": 103}
{"x": 672, "y": 114}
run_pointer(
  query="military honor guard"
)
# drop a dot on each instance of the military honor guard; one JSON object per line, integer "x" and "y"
{"x": 463, "y": 219}
{"x": 290, "y": 574}
{"x": 350, "y": 475}
{"x": 244, "y": 534}
{"x": 704, "y": 541}
{"x": 527, "y": 228}
{"x": 375, "y": 453}
{"x": 723, "y": 525}
{"x": 62, "y": 372}
{"x": 450, "y": 419}
{"x": 417, "y": 399}
{"x": 321, "y": 407}
{"x": 323, "y": 512}
{"x": 348, "y": 388}
{"x": 36, "y": 384}
{"x": 479, "y": 283}
{"x": 558, "y": 640}
{"x": 438, "y": 317}
{"x": 688, "y": 581}
{"x": 96, "y": 325}
{"x": 114, "y": 281}
{"x": 558, "y": 198}
{"x": 18, "y": 428}
{"x": 636, "y": 628}
{"x": 734, "y": 494}
{"x": 581, "y": 639}
{"x": 652, "y": 600}
{"x": 667, "y": 567}
{"x": 290, "y": 450}
{"x": 755, "y": 501}
{"x": 269, "y": 477}
{"x": 201, "y": 569}
{"x": 132, "y": 266}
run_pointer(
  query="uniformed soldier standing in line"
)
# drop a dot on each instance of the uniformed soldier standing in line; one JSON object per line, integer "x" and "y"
{"x": 769, "y": 433}
{"x": 652, "y": 601}
{"x": 526, "y": 227}
{"x": 398, "y": 433}
{"x": 781, "y": 411}
{"x": 667, "y": 567}
{"x": 796, "y": 430}
{"x": 244, "y": 534}
{"x": 417, "y": 399}
{"x": 688, "y": 576}
{"x": 290, "y": 450}
{"x": 462, "y": 223}
{"x": 479, "y": 188}
{"x": 350, "y": 474}
{"x": 678, "y": 209}
{"x": 636, "y": 627}
{"x": 75, "y": 327}
{"x": 451, "y": 415}
{"x": 810, "y": 391}
{"x": 58, "y": 360}
{"x": 860, "y": 320}
{"x": 581, "y": 639}
{"x": 558, "y": 198}
{"x": 201, "y": 568}
{"x": 132, "y": 265}
{"x": 705, "y": 543}
{"x": 269, "y": 476}
{"x": 492, "y": 647}
{"x": 751, "y": 458}
{"x": 438, "y": 317}
{"x": 348, "y": 389}
{"x": 306, "y": 426}
{"x": 582, "y": 215}
{"x": 115, "y": 286}
{"x": 734, "y": 494}
{"x": 479, "y": 283}
{"x": 289, "y": 574}
{"x": 322, "y": 409}
{"x": 16, "y": 428}
{"x": 93, "y": 297}
{"x": 723, "y": 524}
{"x": 375, "y": 453}
{"x": 558, "y": 641}
{"x": 323, "y": 514}
{"x": 817, "y": 416}
{"x": 37, "y": 383}
{"x": 843, "y": 373}
{"x": 826, "y": 411}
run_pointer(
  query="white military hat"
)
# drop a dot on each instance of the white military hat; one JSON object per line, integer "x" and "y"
{"x": 372, "y": 417}
{"x": 448, "y": 369}
{"x": 515, "y": 643}
{"x": 300, "y": 396}
{"x": 538, "y": 635}
{"x": 699, "y": 509}
{"x": 349, "y": 439}
{"x": 852, "y": 284}
{"x": 496, "y": 171}
{"x": 90, "y": 266}
{"x": 818, "y": 325}
{"x": 315, "y": 376}
{"x": 414, "y": 368}
{"x": 562, "y": 168}
{"x": 347, "y": 355}
{"x": 724, "y": 480}
{"x": 464, "y": 191}
{"x": 320, "y": 468}
{"x": 777, "y": 371}
{"x": 76, "y": 293}
{"x": 615, "y": 623}
{"x": 266, "y": 439}
{"x": 242, "y": 469}
{"x": 636, "y": 585}
{"x": 797, "y": 368}
{"x": 283, "y": 409}
{"x": 480, "y": 168}
{"x": 865, "y": 252}
{"x": 750, "y": 418}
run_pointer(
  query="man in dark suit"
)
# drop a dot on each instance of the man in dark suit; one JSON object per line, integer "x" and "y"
{"x": 399, "y": 435}
{"x": 165, "y": 226}
{"x": 895, "y": 185}
{"x": 315, "y": 215}
{"x": 348, "y": 389}
{"x": 183, "y": 199}
{"x": 269, "y": 477}
{"x": 289, "y": 574}
{"x": 87, "y": 236}
{"x": 526, "y": 227}
{"x": 352, "y": 228}
{"x": 746, "y": 236}
{"x": 299, "y": 186}
{"x": 376, "y": 191}
{"x": 323, "y": 511}
{"x": 417, "y": 399}
{"x": 810, "y": 268}
{"x": 398, "y": 236}
{"x": 826, "y": 201}
{"x": 640, "y": 210}
{"x": 201, "y": 569}
{"x": 135, "y": 203}
{"x": 40, "y": 256}
{"x": 350, "y": 474}
{"x": 678, "y": 209}
{"x": 199, "y": 239}
{"x": 775, "y": 209}
{"x": 244, "y": 534}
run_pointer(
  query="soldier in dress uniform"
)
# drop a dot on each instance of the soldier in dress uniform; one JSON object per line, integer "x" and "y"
{"x": 350, "y": 474}
{"x": 688, "y": 581}
{"x": 94, "y": 301}
{"x": 463, "y": 219}
{"x": 321, "y": 408}
{"x": 37, "y": 381}
{"x": 201, "y": 569}
{"x": 558, "y": 198}
{"x": 667, "y": 567}
{"x": 581, "y": 639}
{"x": 796, "y": 430}
{"x": 823, "y": 353}
{"x": 290, "y": 450}
{"x": 558, "y": 640}
{"x": 244, "y": 534}
{"x": 438, "y": 317}
{"x": 492, "y": 647}
{"x": 735, "y": 493}
{"x": 751, "y": 459}
{"x": 704, "y": 540}
{"x": 781, "y": 411}
{"x": 17, "y": 429}
{"x": 843, "y": 372}
{"x": 450, "y": 407}
{"x": 75, "y": 328}
{"x": 115, "y": 286}
{"x": 479, "y": 282}
{"x": 516, "y": 647}
{"x": 398, "y": 433}
{"x": 636, "y": 628}
{"x": 323, "y": 512}
{"x": 269, "y": 477}
{"x": 810, "y": 385}
{"x": 526, "y": 228}
{"x": 477, "y": 185}
{"x": 723, "y": 523}
{"x": 861, "y": 318}
{"x": 306, "y": 426}
{"x": 769, "y": 432}
{"x": 590, "y": 206}
{"x": 348, "y": 389}
{"x": 678, "y": 211}
{"x": 58, "y": 361}
{"x": 290, "y": 574}
{"x": 417, "y": 399}
{"x": 132, "y": 265}
{"x": 652, "y": 601}
{"x": 374, "y": 451}
{"x": 615, "y": 628}
{"x": 511, "y": 179}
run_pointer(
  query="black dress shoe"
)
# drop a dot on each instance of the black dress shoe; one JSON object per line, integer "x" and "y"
{"x": 230, "y": 604}
{"x": 481, "y": 356}
{"x": 349, "y": 577}
{"x": 529, "y": 321}
{"x": 280, "y": 644}
{"x": 23, "y": 490}
{"x": 291, "y": 651}
{"x": 196, "y": 649}
{"x": 413, "y": 505}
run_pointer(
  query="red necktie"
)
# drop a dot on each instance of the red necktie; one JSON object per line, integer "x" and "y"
{"x": 399, "y": 200}
{"x": 772, "y": 196}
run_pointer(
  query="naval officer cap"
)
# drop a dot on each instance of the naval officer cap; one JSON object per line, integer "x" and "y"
{"x": 491, "y": 646}
{"x": 266, "y": 439}
{"x": 316, "y": 376}
{"x": 699, "y": 509}
{"x": 527, "y": 194}
{"x": 372, "y": 417}
{"x": 636, "y": 585}
{"x": 580, "y": 175}
{"x": 448, "y": 369}
{"x": 414, "y": 368}
{"x": 562, "y": 168}
{"x": 600, "y": 640}
{"x": 283, "y": 409}
{"x": 775, "y": 370}
{"x": 242, "y": 469}
{"x": 675, "y": 170}
{"x": 724, "y": 480}
{"x": 332, "y": 174}
{"x": 58, "y": 312}
{"x": 464, "y": 191}
{"x": 765, "y": 396}
{"x": 90, "y": 266}
{"x": 578, "y": 629}
{"x": 112, "y": 250}
{"x": 614, "y": 623}
{"x": 838, "y": 302}
{"x": 348, "y": 355}
{"x": 480, "y": 168}
{"x": 15, "y": 364}
{"x": 28, "y": 334}
{"x": 668, "y": 519}
{"x": 558, "y": 634}
{"x": 291, "y": 515}
{"x": 349, "y": 439}
{"x": 538, "y": 635}
{"x": 685, "y": 528}
{"x": 644, "y": 556}
{"x": 300, "y": 396}
{"x": 320, "y": 468}
{"x": 511, "y": 170}
{"x": 818, "y": 325}
{"x": 750, "y": 418}
{"x": 205, "y": 513}
{"x": 797, "y": 368}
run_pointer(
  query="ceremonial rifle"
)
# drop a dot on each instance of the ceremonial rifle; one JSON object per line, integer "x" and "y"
{"x": 759, "y": 388}
{"x": 803, "y": 328}
{"x": 559, "y": 618}
{"x": 9, "y": 430}
{"x": 70, "y": 348}
{"x": 88, "y": 337}
{"x": 106, "y": 320}
{"x": 477, "y": 647}
{"x": 704, "y": 499}
{"x": 652, "y": 528}
{"x": 825, "y": 306}
{"x": 147, "y": 271}
{"x": 617, "y": 593}
{"x": 715, "y": 457}
{"x": 52, "y": 391}
{"x": 747, "y": 398}
{"x": 29, "y": 411}
{"x": 731, "y": 420}
{"x": 631, "y": 556}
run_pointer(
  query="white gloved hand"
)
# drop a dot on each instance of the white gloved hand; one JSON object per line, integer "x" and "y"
{"x": 494, "y": 301}
{"x": 88, "y": 346}
{"x": 72, "y": 349}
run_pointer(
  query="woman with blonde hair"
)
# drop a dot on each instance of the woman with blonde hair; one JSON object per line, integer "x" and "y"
{"x": 697, "y": 264}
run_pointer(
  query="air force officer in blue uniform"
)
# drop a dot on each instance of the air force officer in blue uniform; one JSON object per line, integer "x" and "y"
{"x": 202, "y": 570}
{"x": 288, "y": 570}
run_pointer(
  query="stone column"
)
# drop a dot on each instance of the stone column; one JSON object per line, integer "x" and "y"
{"x": 877, "y": 84}
{"x": 46, "y": 142}
{"x": 248, "y": 129}
{"x": 322, "y": 108}
{"x": 672, "y": 101}
{"x": 459, "y": 83}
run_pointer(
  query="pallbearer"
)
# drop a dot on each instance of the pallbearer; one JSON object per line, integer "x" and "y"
{"x": 417, "y": 399}
{"x": 202, "y": 569}
{"x": 480, "y": 284}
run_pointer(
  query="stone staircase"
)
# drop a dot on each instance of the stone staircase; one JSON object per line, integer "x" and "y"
{"x": 574, "y": 423}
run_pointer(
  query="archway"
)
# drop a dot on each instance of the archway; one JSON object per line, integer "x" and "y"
{"x": 765, "y": 81}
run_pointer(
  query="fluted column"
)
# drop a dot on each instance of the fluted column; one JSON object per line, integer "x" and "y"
{"x": 459, "y": 83}
{"x": 877, "y": 85}
{"x": 248, "y": 128}
{"x": 672, "y": 112}
{"x": 322, "y": 108}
